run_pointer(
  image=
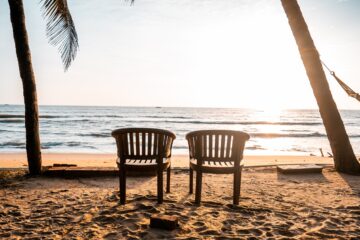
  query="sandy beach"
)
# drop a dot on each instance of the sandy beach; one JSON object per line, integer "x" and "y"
{"x": 272, "y": 206}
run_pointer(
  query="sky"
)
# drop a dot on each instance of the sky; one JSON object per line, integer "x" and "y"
{"x": 185, "y": 53}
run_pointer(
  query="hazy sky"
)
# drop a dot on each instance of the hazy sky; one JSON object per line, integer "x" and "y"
{"x": 199, "y": 53}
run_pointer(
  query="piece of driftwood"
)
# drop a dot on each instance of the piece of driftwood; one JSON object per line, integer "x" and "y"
{"x": 299, "y": 169}
{"x": 143, "y": 150}
{"x": 64, "y": 165}
{"x": 219, "y": 152}
{"x": 76, "y": 172}
{"x": 164, "y": 221}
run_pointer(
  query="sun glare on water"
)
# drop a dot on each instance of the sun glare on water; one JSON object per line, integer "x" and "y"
{"x": 270, "y": 141}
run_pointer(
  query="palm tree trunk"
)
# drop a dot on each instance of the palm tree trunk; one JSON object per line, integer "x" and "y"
{"x": 33, "y": 147}
{"x": 344, "y": 157}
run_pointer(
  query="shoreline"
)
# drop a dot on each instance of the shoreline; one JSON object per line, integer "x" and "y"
{"x": 18, "y": 160}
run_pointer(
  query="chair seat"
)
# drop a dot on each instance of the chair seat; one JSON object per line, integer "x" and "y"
{"x": 214, "y": 166}
{"x": 143, "y": 164}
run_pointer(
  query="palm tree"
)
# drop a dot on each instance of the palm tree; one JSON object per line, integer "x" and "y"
{"x": 344, "y": 157}
{"x": 61, "y": 32}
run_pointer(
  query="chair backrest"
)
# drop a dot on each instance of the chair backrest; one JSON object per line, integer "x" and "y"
{"x": 217, "y": 145}
{"x": 143, "y": 143}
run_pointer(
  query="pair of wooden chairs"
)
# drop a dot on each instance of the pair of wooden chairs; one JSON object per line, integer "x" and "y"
{"x": 210, "y": 151}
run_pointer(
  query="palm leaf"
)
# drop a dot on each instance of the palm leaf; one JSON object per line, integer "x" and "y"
{"x": 60, "y": 29}
{"x": 131, "y": 1}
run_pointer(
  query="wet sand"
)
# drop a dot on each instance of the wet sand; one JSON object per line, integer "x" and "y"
{"x": 272, "y": 206}
{"x": 18, "y": 160}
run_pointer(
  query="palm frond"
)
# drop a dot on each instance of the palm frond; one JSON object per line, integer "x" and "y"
{"x": 60, "y": 29}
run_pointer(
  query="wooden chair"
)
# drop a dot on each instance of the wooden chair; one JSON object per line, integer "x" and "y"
{"x": 219, "y": 152}
{"x": 143, "y": 149}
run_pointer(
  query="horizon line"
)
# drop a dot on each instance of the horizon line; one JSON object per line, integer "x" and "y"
{"x": 138, "y": 106}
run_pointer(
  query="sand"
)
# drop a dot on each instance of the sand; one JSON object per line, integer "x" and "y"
{"x": 18, "y": 160}
{"x": 272, "y": 206}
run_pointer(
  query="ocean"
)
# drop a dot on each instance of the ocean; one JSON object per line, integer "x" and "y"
{"x": 87, "y": 129}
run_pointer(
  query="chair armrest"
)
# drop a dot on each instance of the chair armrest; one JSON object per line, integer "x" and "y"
{"x": 118, "y": 161}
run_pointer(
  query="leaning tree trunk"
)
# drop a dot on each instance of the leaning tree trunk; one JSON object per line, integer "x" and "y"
{"x": 33, "y": 148}
{"x": 344, "y": 157}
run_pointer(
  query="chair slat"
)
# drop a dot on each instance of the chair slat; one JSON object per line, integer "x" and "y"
{"x": 216, "y": 146}
{"x": 149, "y": 136}
{"x": 143, "y": 144}
{"x": 204, "y": 145}
{"x": 222, "y": 146}
{"x": 131, "y": 136}
{"x": 156, "y": 143}
{"x": 192, "y": 146}
{"x": 137, "y": 145}
{"x": 160, "y": 143}
{"x": 164, "y": 145}
{"x": 125, "y": 146}
{"x": 228, "y": 146}
{"x": 208, "y": 146}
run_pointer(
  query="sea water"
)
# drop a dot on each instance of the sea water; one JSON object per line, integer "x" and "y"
{"x": 87, "y": 129}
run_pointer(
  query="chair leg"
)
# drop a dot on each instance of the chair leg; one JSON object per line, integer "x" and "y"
{"x": 198, "y": 187}
{"x": 168, "y": 173}
{"x": 122, "y": 186}
{"x": 160, "y": 187}
{"x": 191, "y": 180}
{"x": 240, "y": 181}
{"x": 237, "y": 184}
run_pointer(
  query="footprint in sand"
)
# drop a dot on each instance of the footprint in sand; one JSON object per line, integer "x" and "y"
{"x": 284, "y": 232}
{"x": 260, "y": 217}
{"x": 193, "y": 214}
{"x": 332, "y": 231}
{"x": 111, "y": 235}
{"x": 198, "y": 224}
{"x": 209, "y": 232}
{"x": 201, "y": 229}
{"x": 243, "y": 231}
{"x": 215, "y": 214}
{"x": 106, "y": 219}
{"x": 148, "y": 208}
{"x": 258, "y": 223}
{"x": 256, "y": 232}
{"x": 229, "y": 222}
{"x": 134, "y": 227}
